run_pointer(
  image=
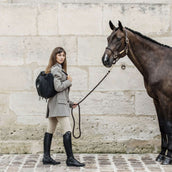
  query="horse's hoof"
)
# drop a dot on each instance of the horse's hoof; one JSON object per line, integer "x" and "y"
{"x": 167, "y": 161}
{"x": 160, "y": 158}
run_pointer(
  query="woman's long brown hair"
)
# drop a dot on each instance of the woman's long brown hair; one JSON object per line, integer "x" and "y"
{"x": 53, "y": 61}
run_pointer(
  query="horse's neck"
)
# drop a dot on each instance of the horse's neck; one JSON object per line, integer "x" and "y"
{"x": 134, "y": 59}
{"x": 139, "y": 53}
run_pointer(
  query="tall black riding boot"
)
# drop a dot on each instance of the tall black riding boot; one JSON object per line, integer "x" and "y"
{"x": 71, "y": 161}
{"x": 47, "y": 144}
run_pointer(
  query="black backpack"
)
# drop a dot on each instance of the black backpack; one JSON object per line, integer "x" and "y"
{"x": 45, "y": 85}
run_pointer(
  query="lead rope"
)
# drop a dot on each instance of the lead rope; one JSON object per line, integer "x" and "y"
{"x": 79, "y": 109}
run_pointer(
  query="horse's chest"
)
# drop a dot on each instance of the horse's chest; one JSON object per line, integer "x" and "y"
{"x": 151, "y": 88}
{"x": 150, "y": 91}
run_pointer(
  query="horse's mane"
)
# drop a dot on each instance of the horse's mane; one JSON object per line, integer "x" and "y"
{"x": 147, "y": 38}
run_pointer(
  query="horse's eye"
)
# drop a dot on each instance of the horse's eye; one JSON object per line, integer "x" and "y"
{"x": 118, "y": 39}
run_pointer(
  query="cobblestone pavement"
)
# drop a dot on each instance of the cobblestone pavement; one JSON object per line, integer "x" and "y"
{"x": 94, "y": 163}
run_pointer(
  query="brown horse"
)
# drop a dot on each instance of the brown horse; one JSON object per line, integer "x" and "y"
{"x": 154, "y": 61}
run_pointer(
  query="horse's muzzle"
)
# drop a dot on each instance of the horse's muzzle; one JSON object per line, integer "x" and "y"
{"x": 106, "y": 60}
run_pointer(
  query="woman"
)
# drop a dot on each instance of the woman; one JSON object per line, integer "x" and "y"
{"x": 58, "y": 108}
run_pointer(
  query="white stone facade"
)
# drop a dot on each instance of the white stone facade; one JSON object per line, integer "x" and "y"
{"x": 119, "y": 112}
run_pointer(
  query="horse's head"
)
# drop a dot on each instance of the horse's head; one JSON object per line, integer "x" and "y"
{"x": 117, "y": 45}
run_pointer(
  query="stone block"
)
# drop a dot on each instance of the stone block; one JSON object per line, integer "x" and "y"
{"x": 4, "y": 103}
{"x": 6, "y": 116}
{"x": 25, "y": 132}
{"x": 18, "y": 19}
{"x": 80, "y": 19}
{"x": 90, "y": 50}
{"x": 25, "y": 1}
{"x": 40, "y": 48}
{"x": 32, "y": 119}
{"x": 3, "y": 1}
{"x": 171, "y": 20}
{"x": 105, "y": 102}
{"x": 133, "y": 15}
{"x": 79, "y": 78}
{"x": 15, "y": 147}
{"x": 118, "y": 79}
{"x": 12, "y": 51}
{"x": 137, "y": 1}
{"x": 15, "y": 78}
{"x": 28, "y": 108}
{"x": 47, "y": 19}
{"x": 120, "y": 128}
{"x": 97, "y": 1}
{"x": 144, "y": 104}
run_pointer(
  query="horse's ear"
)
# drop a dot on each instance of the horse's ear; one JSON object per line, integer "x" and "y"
{"x": 120, "y": 25}
{"x": 111, "y": 25}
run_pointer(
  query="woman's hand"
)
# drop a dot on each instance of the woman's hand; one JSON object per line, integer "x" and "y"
{"x": 74, "y": 105}
{"x": 69, "y": 78}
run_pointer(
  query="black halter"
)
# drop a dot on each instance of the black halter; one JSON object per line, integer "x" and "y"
{"x": 117, "y": 54}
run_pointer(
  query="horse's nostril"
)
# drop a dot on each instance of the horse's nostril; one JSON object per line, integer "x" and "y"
{"x": 105, "y": 61}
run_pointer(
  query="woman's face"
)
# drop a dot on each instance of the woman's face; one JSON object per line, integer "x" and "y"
{"x": 60, "y": 57}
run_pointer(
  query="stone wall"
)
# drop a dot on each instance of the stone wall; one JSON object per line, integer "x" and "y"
{"x": 119, "y": 116}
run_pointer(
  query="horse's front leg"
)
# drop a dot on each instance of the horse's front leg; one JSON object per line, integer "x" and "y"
{"x": 161, "y": 121}
{"x": 168, "y": 159}
{"x": 167, "y": 110}
{"x": 161, "y": 155}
